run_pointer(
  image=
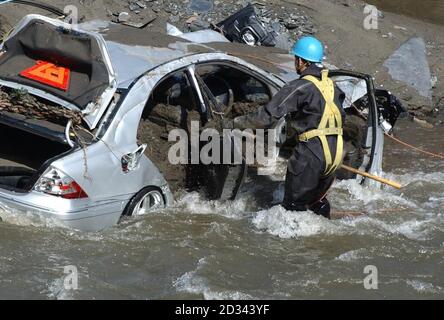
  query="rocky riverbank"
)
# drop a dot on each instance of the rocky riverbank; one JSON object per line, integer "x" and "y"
{"x": 339, "y": 23}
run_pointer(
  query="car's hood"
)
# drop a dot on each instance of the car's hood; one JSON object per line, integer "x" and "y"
{"x": 58, "y": 62}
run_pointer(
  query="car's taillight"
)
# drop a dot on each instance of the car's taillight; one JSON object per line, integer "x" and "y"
{"x": 57, "y": 183}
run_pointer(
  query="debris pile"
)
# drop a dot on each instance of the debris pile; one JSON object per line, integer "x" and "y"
{"x": 20, "y": 102}
{"x": 3, "y": 28}
{"x": 437, "y": 113}
{"x": 156, "y": 137}
{"x": 193, "y": 15}
{"x": 154, "y": 130}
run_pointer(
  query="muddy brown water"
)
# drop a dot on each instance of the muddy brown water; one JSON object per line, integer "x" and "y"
{"x": 428, "y": 10}
{"x": 238, "y": 250}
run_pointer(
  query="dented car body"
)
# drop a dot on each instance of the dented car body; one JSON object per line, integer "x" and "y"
{"x": 87, "y": 174}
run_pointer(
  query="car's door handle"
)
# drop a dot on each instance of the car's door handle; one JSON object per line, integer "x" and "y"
{"x": 130, "y": 161}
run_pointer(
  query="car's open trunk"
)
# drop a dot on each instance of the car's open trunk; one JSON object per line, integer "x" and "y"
{"x": 22, "y": 154}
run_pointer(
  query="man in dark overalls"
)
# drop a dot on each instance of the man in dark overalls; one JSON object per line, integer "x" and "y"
{"x": 313, "y": 108}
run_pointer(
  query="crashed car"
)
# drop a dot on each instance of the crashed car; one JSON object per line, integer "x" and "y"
{"x": 85, "y": 114}
{"x": 245, "y": 27}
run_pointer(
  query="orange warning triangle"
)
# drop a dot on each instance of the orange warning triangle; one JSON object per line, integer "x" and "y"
{"x": 49, "y": 74}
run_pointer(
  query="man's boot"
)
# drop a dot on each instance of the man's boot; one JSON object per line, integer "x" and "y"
{"x": 322, "y": 208}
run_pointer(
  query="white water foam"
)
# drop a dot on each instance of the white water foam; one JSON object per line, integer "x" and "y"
{"x": 361, "y": 254}
{"x": 56, "y": 290}
{"x": 417, "y": 230}
{"x": 191, "y": 282}
{"x": 408, "y": 178}
{"x": 436, "y": 202}
{"x": 412, "y": 229}
{"x": 291, "y": 224}
{"x": 26, "y": 219}
{"x": 424, "y": 287}
{"x": 367, "y": 195}
{"x": 352, "y": 255}
{"x": 194, "y": 204}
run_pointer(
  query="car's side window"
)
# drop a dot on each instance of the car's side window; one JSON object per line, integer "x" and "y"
{"x": 171, "y": 105}
{"x": 175, "y": 95}
{"x": 235, "y": 92}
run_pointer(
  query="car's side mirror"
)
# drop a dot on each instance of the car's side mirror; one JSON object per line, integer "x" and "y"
{"x": 130, "y": 161}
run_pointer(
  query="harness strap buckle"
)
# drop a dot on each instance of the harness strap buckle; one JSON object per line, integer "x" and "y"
{"x": 320, "y": 132}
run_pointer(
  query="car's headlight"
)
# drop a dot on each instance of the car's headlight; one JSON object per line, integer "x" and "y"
{"x": 57, "y": 183}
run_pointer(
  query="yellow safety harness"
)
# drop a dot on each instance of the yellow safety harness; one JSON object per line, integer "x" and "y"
{"x": 330, "y": 125}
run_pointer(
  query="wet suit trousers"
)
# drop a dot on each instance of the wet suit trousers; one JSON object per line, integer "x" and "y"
{"x": 305, "y": 184}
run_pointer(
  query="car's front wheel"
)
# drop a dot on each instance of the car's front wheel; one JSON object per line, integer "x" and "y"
{"x": 149, "y": 199}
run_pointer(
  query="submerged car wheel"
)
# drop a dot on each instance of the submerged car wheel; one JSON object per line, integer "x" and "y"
{"x": 148, "y": 200}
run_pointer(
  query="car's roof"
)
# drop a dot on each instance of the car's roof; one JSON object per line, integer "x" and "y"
{"x": 135, "y": 51}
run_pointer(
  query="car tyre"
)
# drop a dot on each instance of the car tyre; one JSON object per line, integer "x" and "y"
{"x": 149, "y": 199}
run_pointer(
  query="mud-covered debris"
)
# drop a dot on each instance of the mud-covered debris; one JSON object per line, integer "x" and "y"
{"x": 168, "y": 115}
{"x": 201, "y": 6}
{"x": 196, "y": 15}
{"x": 3, "y": 28}
{"x": 134, "y": 7}
{"x": 196, "y": 23}
{"x": 438, "y": 112}
{"x": 154, "y": 130}
{"x": 123, "y": 17}
{"x": 158, "y": 146}
{"x": 21, "y": 102}
{"x": 141, "y": 4}
{"x": 243, "y": 108}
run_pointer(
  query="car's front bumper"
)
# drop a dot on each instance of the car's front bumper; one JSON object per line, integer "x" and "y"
{"x": 81, "y": 214}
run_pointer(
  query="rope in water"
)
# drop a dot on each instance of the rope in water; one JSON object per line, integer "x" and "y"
{"x": 431, "y": 154}
{"x": 346, "y": 214}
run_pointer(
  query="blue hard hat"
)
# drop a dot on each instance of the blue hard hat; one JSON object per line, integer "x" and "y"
{"x": 310, "y": 49}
